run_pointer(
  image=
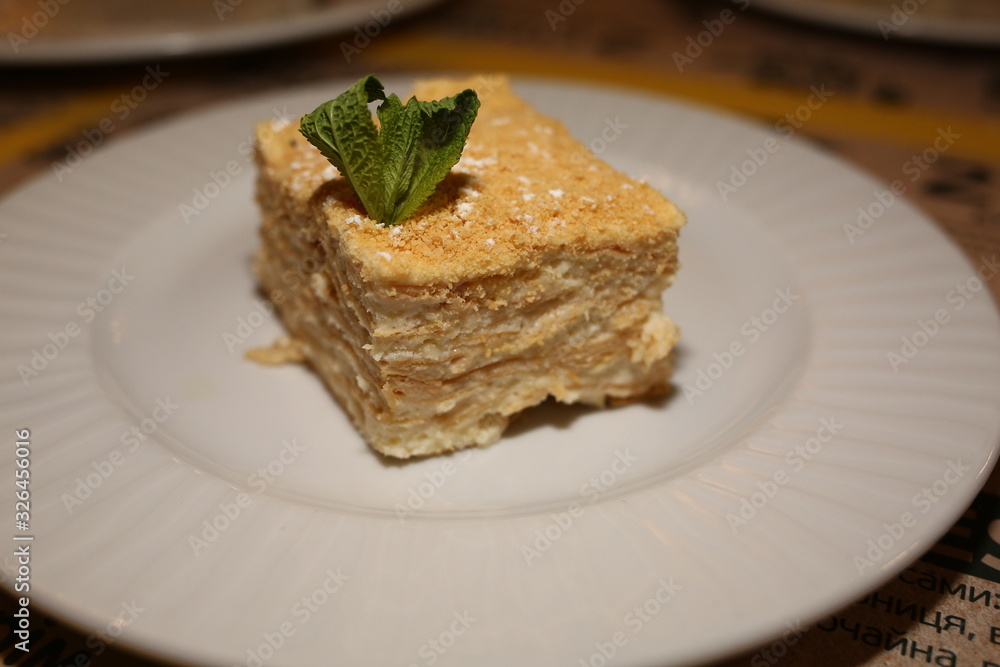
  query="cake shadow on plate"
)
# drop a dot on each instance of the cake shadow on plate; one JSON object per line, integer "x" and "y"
{"x": 562, "y": 416}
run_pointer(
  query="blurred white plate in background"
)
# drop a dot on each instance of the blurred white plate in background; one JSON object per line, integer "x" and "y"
{"x": 85, "y": 31}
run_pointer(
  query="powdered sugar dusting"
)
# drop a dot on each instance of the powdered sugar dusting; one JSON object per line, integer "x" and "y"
{"x": 507, "y": 203}
{"x": 469, "y": 162}
{"x": 279, "y": 122}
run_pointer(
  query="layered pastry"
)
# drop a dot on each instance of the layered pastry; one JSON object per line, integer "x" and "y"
{"x": 535, "y": 270}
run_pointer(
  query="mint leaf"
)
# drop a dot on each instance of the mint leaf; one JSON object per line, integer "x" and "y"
{"x": 443, "y": 129}
{"x": 343, "y": 131}
{"x": 393, "y": 169}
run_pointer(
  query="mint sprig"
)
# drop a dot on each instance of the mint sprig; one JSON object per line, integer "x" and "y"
{"x": 393, "y": 168}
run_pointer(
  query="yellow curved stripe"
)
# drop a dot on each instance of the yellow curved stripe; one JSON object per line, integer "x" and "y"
{"x": 22, "y": 139}
{"x": 979, "y": 136}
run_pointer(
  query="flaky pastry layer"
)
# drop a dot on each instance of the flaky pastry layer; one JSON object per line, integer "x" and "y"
{"x": 536, "y": 270}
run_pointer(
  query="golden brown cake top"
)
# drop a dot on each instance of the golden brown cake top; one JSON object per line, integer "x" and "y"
{"x": 523, "y": 186}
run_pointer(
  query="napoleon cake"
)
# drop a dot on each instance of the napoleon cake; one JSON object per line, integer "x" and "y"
{"x": 533, "y": 269}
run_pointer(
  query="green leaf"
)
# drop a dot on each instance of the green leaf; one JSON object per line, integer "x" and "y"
{"x": 393, "y": 169}
{"x": 343, "y": 131}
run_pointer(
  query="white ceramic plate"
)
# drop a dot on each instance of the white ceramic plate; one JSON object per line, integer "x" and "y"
{"x": 236, "y": 507}
{"x": 967, "y": 22}
{"x": 106, "y": 30}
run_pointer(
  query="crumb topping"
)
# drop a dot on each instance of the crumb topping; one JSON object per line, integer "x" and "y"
{"x": 523, "y": 185}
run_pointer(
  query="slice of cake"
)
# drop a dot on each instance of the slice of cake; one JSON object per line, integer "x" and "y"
{"x": 534, "y": 270}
